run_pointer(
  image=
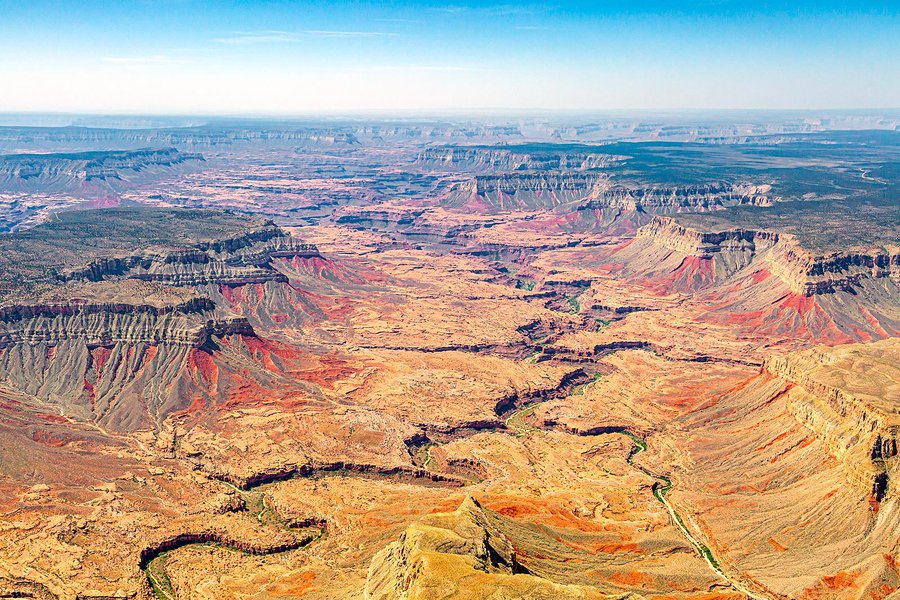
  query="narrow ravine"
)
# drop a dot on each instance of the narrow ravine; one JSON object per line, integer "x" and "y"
{"x": 153, "y": 560}
{"x": 154, "y": 563}
{"x": 515, "y": 422}
{"x": 513, "y": 413}
{"x": 661, "y": 487}
{"x": 252, "y": 492}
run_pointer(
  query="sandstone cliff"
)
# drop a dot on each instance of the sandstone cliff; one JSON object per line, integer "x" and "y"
{"x": 665, "y": 199}
{"x": 463, "y": 554}
{"x": 806, "y": 273}
{"x": 849, "y": 396}
{"x": 512, "y": 159}
{"x": 74, "y": 171}
{"x": 130, "y": 336}
{"x": 595, "y": 192}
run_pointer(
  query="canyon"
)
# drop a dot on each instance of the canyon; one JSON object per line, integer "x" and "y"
{"x": 437, "y": 359}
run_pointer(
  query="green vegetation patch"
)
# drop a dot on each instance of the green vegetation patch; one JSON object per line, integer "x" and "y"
{"x": 820, "y": 226}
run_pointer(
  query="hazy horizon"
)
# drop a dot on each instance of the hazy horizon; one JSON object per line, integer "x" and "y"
{"x": 181, "y": 57}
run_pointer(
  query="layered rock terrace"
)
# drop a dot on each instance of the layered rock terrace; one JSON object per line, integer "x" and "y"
{"x": 850, "y": 397}
{"x": 806, "y": 273}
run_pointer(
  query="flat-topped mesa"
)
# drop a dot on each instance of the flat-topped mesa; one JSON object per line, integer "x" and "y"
{"x": 503, "y": 159}
{"x": 805, "y": 273}
{"x": 689, "y": 198}
{"x": 233, "y": 261}
{"x": 809, "y": 274}
{"x": 256, "y": 241}
{"x": 670, "y": 234}
{"x": 110, "y": 163}
{"x": 520, "y": 191}
{"x": 849, "y": 396}
{"x": 112, "y": 312}
{"x": 118, "y": 316}
{"x": 66, "y": 168}
{"x": 136, "y": 292}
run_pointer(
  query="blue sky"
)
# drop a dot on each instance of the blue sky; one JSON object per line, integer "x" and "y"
{"x": 184, "y": 56}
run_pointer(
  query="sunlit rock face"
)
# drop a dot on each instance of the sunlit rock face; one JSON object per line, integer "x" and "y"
{"x": 81, "y": 172}
{"x": 112, "y": 338}
{"x": 846, "y": 396}
{"x": 466, "y": 360}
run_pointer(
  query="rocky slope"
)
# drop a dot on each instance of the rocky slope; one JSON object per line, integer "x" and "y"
{"x": 74, "y": 172}
{"x": 463, "y": 554}
{"x": 790, "y": 475}
{"x": 500, "y": 159}
{"x": 112, "y": 338}
{"x": 766, "y": 281}
{"x": 848, "y": 397}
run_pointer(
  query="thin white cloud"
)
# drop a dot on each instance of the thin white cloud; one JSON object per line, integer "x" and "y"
{"x": 326, "y": 33}
{"x": 423, "y": 68}
{"x": 499, "y": 10}
{"x": 156, "y": 59}
{"x": 451, "y": 10}
{"x": 276, "y": 37}
{"x": 400, "y": 21}
{"x": 512, "y": 10}
{"x": 189, "y": 50}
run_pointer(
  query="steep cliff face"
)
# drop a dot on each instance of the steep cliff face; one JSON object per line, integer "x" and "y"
{"x": 218, "y": 135}
{"x": 104, "y": 323}
{"x": 806, "y": 274}
{"x": 809, "y": 274}
{"x": 127, "y": 338}
{"x": 596, "y": 193}
{"x": 75, "y": 171}
{"x": 848, "y": 396}
{"x": 619, "y": 210}
{"x": 766, "y": 284}
{"x": 233, "y": 261}
{"x": 705, "y": 258}
{"x": 689, "y": 198}
{"x": 498, "y": 159}
{"x": 463, "y": 554}
{"x": 518, "y": 191}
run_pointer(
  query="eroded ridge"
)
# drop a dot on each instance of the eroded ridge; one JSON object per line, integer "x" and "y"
{"x": 848, "y": 397}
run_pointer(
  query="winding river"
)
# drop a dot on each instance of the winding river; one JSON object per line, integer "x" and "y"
{"x": 153, "y": 560}
{"x": 516, "y": 421}
{"x": 660, "y": 488}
